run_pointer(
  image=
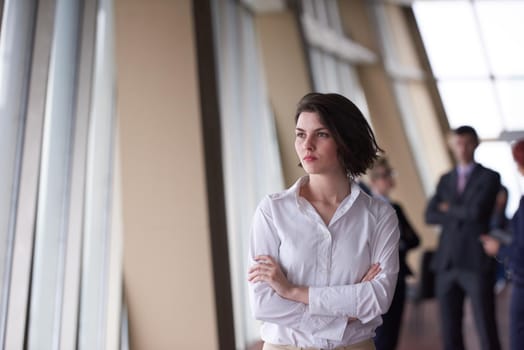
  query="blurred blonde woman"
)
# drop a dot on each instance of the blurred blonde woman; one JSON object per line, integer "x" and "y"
{"x": 382, "y": 182}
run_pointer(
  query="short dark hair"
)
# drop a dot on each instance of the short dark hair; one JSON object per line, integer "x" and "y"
{"x": 357, "y": 147}
{"x": 467, "y": 130}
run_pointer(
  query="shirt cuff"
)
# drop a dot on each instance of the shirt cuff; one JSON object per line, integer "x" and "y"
{"x": 326, "y": 327}
{"x": 365, "y": 310}
{"x": 322, "y": 303}
{"x": 334, "y": 330}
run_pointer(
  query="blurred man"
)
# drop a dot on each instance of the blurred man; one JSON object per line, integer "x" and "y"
{"x": 462, "y": 205}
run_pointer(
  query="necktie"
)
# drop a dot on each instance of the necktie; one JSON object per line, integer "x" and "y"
{"x": 462, "y": 178}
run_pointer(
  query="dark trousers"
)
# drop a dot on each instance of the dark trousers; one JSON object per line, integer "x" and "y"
{"x": 451, "y": 288}
{"x": 517, "y": 317}
{"x": 386, "y": 337}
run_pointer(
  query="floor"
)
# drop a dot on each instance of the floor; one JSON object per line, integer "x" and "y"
{"x": 421, "y": 330}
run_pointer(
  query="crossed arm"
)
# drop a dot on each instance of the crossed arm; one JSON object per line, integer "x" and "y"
{"x": 268, "y": 270}
{"x": 442, "y": 206}
{"x": 323, "y": 312}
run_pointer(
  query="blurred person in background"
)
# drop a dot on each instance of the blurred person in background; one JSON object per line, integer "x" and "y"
{"x": 382, "y": 181}
{"x": 516, "y": 259}
{"x": 462, "y": 205}
{"x": 499, "y": 226}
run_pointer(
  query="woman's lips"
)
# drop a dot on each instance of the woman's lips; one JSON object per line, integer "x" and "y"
{"x": 309, "y": 158}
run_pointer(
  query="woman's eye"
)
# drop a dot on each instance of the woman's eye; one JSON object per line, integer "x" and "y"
{"x": 323, "y": 134}
{"x": 301, "y": 134}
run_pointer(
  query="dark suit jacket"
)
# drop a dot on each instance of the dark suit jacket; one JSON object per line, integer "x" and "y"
{"x": 467, "y": 218}
{"x": 408, "y": 240}
{"x": 517, "y": 245}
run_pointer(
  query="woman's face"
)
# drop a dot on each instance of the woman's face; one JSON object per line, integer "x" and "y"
{"x": 383, "y": 181}
{"x": 315, "y": 146}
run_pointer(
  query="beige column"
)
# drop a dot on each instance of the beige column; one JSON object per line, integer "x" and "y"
{"x": 167, "y": 257}
{"x": 287, "y": 77}
{"x": 429, "y": 118}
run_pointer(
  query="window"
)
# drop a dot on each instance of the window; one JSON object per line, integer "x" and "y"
{"x": 64, "y": 282}
{"x": 477, "y": 61}
{"x": 332, "y": 55}
{"x": 15, "y": 49}
{"x": 409, "y": 83}
{"x": 252, "y": 166}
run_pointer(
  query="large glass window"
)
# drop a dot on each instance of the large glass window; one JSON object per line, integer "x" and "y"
{"x": 477, "y": 58}
{"x": 15, "y": 52}
{"x": 60, "y": 252}
{"x": 252, "y": 166}
{"x": 333, "y": 55}
{"x": 53, "y": 198}
{"x": 409, "y": 83}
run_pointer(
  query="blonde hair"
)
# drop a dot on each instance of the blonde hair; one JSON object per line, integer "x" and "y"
{"x": 380, "y": 162}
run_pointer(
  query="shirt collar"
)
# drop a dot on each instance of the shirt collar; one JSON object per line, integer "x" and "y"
{"x": 466, "y": 169}
{"x": 344, "y": 205}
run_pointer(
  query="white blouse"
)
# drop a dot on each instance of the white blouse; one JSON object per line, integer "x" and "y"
{"x": 331, "y": 260}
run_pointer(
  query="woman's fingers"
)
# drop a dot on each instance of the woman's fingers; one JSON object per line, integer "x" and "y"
{"x": 268, "y": 270}
{"x": 263, "y": 271}
{"x": 351, "y": 319}
{"x": 256, "y": 275}
{"x": 373, "y": 271}
{"x": 368, "y": 274}
{"x": 265, "y": 259}
{"x": 260, "y": 269}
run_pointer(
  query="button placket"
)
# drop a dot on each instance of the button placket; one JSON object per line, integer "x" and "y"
{"x": 324, "y": 257}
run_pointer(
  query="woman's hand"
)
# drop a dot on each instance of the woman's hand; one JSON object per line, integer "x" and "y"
{"x": 268, "y": 270}
{"x": 372, "y": 272}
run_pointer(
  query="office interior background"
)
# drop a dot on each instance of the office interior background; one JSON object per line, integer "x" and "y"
{"x": 137, "y": 137}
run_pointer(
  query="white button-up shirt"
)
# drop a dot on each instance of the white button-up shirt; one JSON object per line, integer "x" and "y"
{"x": 331, "y": 260}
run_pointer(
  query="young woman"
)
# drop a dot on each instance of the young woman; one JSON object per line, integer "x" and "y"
{"x": 323, "y": 254}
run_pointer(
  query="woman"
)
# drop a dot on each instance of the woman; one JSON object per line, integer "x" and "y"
{"x": 324, "y": 255}
{"x": 382, "y": 182}
{"x": 517, "y": 262}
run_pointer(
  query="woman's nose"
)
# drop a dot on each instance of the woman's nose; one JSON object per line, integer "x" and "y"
{"x": 309, "y": 143}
